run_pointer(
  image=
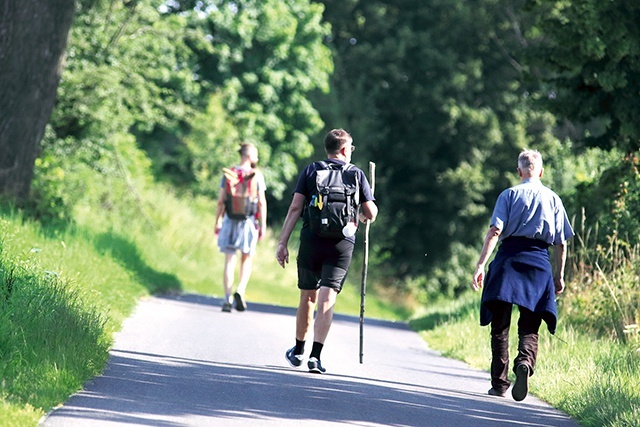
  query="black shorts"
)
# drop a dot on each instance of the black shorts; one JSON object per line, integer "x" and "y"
{"x": 323, "y": 262}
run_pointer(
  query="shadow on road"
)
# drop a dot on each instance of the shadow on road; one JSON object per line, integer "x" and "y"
{"x": 154, "y": 389}
{"x": 273, "y": 309}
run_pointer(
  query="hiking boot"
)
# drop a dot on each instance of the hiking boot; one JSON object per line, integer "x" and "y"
{"x": 294, "y": 360}
{"x": 493, "y": 392}
{"x": 241, "y": 305}
{"x": 521, "y": 387}
{"x": 315, "y": 366}
{"x": 226, "y": 307}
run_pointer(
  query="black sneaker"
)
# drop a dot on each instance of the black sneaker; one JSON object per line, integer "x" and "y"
{"x": 241, "y": 305}
{"x": 315, "y": 366}
{"x": 493, "y": 392}
{"x": 521, "y": 387}
{"x": 226, "y": 307}
{"x": 294, "y": 360}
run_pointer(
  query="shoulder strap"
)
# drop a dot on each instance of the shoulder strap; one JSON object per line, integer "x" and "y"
{"x": 252, "y": 183}
{"x": 335, "y": 166}
{"x": 321, "y": 164}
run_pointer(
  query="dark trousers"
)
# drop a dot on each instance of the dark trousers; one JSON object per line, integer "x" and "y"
{"x": 528, "y": 326}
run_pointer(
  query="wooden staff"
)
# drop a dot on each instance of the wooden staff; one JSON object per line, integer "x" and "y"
{"x": 365, "y": 261}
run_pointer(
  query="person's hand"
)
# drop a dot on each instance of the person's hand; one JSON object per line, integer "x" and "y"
{"x": 216, "y": 230}
{"x": 282, "y": 254}
{"x": 262, "y": 232}
{"x": 363, "y": 219}
{"x": 478, "y": 278}
{"x": 558, "y": 283}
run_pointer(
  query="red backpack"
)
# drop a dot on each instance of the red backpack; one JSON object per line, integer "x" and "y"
{"x": 241, "y": 188}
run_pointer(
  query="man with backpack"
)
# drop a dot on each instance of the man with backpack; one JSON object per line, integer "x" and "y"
{"x": 331, "y": 195}
{"x": 241, "y": 220}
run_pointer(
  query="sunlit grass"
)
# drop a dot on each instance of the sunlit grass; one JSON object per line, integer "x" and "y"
{"x": 18, "y": 414}
{"x": 52, "y": 338}
{"x": 594, "y": 380}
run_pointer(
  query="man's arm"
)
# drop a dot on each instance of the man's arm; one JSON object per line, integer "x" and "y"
{"x": 490, "y": 242}
{"x": 561, "y": 260}
{"x": 220, "y": 209}
{"x": 262, "y": 208}
{"x": 297, "y": 204}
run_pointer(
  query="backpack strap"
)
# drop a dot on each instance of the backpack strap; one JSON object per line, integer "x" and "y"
{"x": 252, "y": 183}
{"x": 330, "y": 165}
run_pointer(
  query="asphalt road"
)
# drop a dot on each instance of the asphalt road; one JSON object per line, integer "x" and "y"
{"x": 180, "y": 361}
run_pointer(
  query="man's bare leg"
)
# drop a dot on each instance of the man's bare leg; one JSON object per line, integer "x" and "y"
{"x": 246, "y": 262}
{"x": 326, "y": 303}
{"x": 228, "y": 274}
{"x": 304, "y": 316}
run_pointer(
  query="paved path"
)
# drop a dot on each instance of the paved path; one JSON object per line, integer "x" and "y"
{"x": 180, "y": 361}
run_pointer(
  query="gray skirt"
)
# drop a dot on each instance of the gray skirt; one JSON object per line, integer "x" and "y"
{"x": 238, "y": 235}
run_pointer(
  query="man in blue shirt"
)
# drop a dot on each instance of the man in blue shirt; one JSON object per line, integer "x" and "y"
{"x": 527, "y": 219}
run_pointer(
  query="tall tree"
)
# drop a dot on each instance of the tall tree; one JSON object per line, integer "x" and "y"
{"x": 258, "y": 64}
{"x": 127, "y": 72}
{"x": 186, "y": 82}
{"x": 33, "y": 38}
{"x": 588, "y": 53}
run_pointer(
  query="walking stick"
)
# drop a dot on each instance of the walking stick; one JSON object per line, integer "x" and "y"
{"x": 365, "y": 262}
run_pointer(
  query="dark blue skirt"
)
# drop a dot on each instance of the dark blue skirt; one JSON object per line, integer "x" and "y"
{"x": 521, "y": 274}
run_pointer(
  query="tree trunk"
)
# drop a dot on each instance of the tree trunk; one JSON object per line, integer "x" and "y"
{"x": 33, "y": 38}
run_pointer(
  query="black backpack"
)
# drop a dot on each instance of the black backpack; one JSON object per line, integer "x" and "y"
{"x": 336, "y": 199}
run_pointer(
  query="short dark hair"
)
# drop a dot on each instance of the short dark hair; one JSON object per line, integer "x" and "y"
{"x": 335, "y": 140}
{"x": 244, "y": 148}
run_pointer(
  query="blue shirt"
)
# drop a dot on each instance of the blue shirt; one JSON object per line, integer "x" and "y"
{"x": 531, "y": 210}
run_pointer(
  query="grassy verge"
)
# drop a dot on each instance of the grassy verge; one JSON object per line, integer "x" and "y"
{"x": 594, "y": 380}
{"x": 60, "y": 301}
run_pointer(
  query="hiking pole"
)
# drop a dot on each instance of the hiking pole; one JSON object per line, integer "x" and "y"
{"x": 365, "y": 261}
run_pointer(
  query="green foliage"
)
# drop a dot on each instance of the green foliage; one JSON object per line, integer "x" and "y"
{"x": 613, "y": 200}
{"x": 442, "y": 95}
{"x": 263, "y": 58}
{"x": 212, "y": 144}
{"x": 603, "y": 296}
{"x": 187, "y": 88}
{"x": 588, "y": 55}
{"x": 125, "y": 73}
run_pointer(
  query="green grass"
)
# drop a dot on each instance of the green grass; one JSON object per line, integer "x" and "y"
{"x": 594, "y": 380}
{"x": 52, "y": 338}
